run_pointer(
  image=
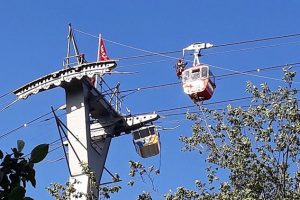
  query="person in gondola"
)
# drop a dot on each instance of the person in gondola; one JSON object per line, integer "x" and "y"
{"x": 180, "y": 66}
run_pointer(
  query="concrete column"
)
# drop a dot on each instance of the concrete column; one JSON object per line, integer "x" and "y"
{"x": 78, "y": 122}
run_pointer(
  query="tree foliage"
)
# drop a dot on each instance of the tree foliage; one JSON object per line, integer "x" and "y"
{"x": 138, "y": 172}
{"x": 258, "y": 146}
{"x": 16, "y": 170}
{"x": 68, "y": 191}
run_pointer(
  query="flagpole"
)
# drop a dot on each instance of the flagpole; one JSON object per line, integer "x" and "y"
{"x": 98, "y": 57}
{"x": 99, "y": 41}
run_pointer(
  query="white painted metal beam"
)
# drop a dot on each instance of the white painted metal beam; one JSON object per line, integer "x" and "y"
{"x": 78, "y": 122}
{"x": 65, "y": 76}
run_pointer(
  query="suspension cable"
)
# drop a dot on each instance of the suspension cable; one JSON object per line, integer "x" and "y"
{"x": 249, "y": 49}
{"x": 258, "y": 40}
{"x": 5, "y": 94}
{"x": 26, "y": 124}
{"x": 153, "y": 87}
{"x": 151, "y": 53}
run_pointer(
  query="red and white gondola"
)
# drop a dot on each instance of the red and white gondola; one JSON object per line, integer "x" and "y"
{"x": 197, "y": 81}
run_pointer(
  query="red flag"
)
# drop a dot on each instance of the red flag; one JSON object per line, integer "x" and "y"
{"x": 102, "y": 51}
{"x": 102, "y": 56}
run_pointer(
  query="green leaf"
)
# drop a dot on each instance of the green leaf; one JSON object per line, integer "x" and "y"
{"x": 39, "y": 153}
{"x": 16, "y": 152}
{"x": 31, "y": 177}
{"x": 21, "y": 145}
{"x": 17, "y": 193}
{"x": 1, "y": 154}
{"x": 1, "y": 176}
{"x": 28, "y": 198}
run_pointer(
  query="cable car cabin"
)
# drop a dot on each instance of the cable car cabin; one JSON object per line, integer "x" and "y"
{"x": 146, "y": 141}
{"x": 198, "y": 82}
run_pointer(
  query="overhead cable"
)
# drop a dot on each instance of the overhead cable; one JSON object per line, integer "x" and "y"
{"x": 208, "y": 54}
{"x": 259, "y": 69}
{"x": 9, "y": 105}
{"x": 159, "y": 111}
{"x": 25, "y": 124}
{"x": 60, "y": 129}
{"x": 233, "y": 73}
{"x": 130, "y": 91}
{"x": 249, "y": 74}
{"x": 151, "y": 53}
{"x": 50, "y": 144}
{"x": 5, "y": 94}
{"x": 213, "y": 66}
{"x": 249, "y": 49}
{"x": 258, "y": 40}
{"x": 171, "y": 57}
{"x": 204, "y": 103}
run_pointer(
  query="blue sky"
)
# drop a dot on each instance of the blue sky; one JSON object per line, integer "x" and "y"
{"x": 33, "y": 43}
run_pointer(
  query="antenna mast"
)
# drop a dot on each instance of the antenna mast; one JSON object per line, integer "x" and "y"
{"x": 71, "y": 39}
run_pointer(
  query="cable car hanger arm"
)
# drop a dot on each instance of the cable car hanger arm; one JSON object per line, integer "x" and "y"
{"x": 196, "y": 47}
